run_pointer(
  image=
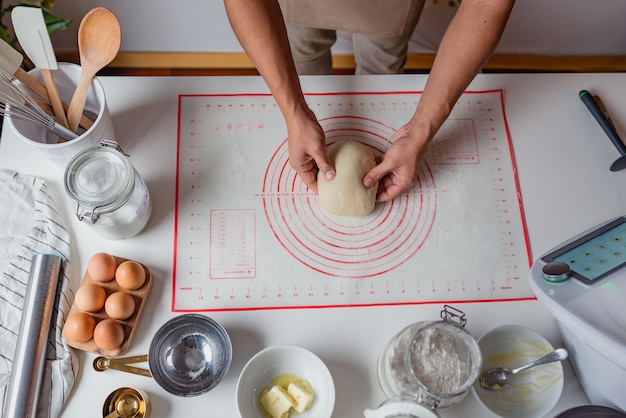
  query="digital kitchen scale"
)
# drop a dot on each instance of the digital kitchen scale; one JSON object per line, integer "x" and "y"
{"x": 582, "y": 282}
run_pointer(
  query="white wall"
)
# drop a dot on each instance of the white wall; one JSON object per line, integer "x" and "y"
{"x": 545, "y": 27}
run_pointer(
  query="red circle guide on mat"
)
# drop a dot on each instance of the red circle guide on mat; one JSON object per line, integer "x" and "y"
{"x": 250, "y": 235}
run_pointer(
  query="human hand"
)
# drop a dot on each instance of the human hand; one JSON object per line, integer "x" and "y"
{"x": 307, "y": 152}
{"x": 398, "y": 169}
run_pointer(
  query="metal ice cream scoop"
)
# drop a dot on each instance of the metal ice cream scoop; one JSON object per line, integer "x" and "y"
{"x": 498, "y": 377}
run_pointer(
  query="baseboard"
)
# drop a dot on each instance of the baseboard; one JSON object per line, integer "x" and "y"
{"x": 415, "y": 62}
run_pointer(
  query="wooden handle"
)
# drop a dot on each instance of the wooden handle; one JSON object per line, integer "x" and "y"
{"x": 55, "y": 99}
{"x": 77, "y": 104}
{"x": 32, "y": 83}
{"x": 40, "y": 90}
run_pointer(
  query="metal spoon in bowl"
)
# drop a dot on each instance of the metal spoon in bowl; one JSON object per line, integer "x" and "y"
{"x": 498, "y": 377}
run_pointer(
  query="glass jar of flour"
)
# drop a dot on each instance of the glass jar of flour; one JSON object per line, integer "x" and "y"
{"x": 109, "y": 193}
{"x": 430, "y": 363}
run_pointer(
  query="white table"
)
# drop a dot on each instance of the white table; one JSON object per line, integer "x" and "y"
{"x": 563, "y": 163}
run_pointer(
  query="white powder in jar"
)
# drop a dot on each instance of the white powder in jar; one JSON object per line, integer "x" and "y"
{"x": 109, "y": 193}
{"x": 433, "y": 360}
{"x": 130, "y": 218}
{"x": 436, "y": 363}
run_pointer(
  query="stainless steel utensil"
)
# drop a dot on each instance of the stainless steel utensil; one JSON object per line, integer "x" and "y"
{"x": 498, "y": 377}
{"x": 11, "y": 61}
{"x": 189, "y": 355}
{"x": 17, "y": 103}
{"x": 30, "y": 354}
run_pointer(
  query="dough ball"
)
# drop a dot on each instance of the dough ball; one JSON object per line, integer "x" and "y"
{"x": 346, "y": 195}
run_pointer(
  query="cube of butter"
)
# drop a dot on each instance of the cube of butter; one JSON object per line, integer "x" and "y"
{"x": 301, "y": 395}
{"x": 277, "y": 402}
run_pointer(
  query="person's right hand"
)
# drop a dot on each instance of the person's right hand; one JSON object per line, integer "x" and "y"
{"x": 397, "y": 171}
{"x": 307, "y": 153}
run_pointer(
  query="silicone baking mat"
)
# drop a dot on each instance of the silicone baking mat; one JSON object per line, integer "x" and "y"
{"x": 250, "y": 235}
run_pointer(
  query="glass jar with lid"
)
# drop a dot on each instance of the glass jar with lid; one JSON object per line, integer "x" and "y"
{"x": 109, "y": 193}
{"x": 430, "y": 363}
{"x": 402, "y": 407}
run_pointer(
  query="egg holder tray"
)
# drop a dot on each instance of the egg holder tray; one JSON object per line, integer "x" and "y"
{"x": 129, "y": 325}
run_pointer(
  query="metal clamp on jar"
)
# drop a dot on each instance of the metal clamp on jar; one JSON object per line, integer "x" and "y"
{"x": 109, "y": 193}
{"x": 427, "y": 365}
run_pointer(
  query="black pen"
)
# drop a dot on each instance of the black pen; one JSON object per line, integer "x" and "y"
{"x": 593, "y": 106}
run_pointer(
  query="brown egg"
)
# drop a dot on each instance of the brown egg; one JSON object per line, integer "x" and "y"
{"x": 90, "y": 297}
{"x": 119, "y": 305}
{"x": 130, "y": 275}
{"x": 79, "y": 327}
{"x": 101, "y": 267}
{"x": 108, "y": 334}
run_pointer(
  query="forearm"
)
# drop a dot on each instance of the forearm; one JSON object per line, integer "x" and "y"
{"x": 259, "y": 26}
{"x": 466, "y": 46}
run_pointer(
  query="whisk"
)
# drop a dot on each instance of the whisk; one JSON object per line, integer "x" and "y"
{"x": 18, "y": 104}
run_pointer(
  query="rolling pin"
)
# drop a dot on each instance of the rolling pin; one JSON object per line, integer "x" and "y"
{"x": 30, "y": 353}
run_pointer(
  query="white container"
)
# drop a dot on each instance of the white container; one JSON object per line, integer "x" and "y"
{"x": 108, "y": 192}
{"x": 598, "y": 358}
{"x": 590, "y": 315}
{"x": 96, "y": 109}
{"x": 594, "y": 369}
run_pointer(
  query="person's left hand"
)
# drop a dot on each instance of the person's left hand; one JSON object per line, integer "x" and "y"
{"x": 397, "y": 171}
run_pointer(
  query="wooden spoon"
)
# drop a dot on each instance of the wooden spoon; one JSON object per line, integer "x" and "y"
{"x": 99, "y": 38}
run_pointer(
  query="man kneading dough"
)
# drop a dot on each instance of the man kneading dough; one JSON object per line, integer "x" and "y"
{"x": 345, "y": 195}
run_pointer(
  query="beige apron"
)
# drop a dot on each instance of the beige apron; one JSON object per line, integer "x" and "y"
{"x": 383, "y": 18}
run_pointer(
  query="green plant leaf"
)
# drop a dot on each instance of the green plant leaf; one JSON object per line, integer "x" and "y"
{"x": 54, "y": 23}
{"x": 47, "y": 4}
{"x": 4, "y": 35}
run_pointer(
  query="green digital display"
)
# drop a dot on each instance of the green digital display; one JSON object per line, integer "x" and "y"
{"x": 595, "y": 255}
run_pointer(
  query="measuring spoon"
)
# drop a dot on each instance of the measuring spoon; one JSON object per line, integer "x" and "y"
{"x": 99, "y": 38}
{"x": 101, "y": 364}
{"x": 498, "y": 377}
{"x": 127, "y": 405}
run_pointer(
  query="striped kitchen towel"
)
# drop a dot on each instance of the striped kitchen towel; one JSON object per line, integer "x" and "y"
{"x": 29, "y": 224}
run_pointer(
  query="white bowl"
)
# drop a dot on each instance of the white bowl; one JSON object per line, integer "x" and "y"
{"x": 274, "y": 361}
{"x": 532, "y": 393}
